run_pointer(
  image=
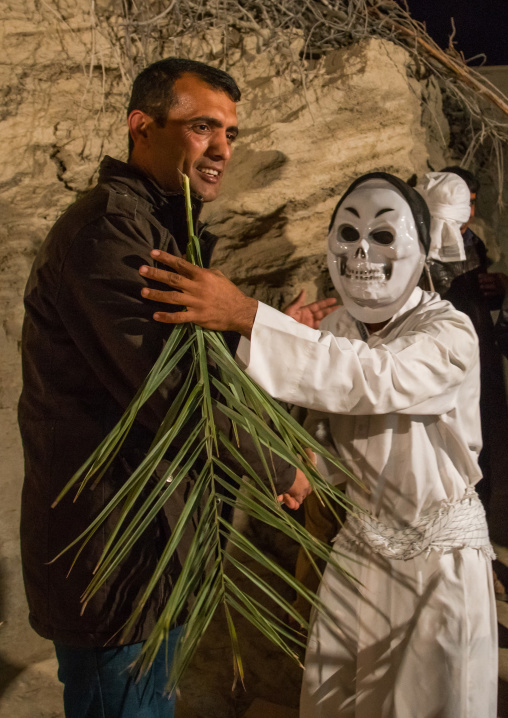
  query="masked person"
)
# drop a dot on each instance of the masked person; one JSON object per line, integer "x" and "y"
{"x": 392, "y": 382}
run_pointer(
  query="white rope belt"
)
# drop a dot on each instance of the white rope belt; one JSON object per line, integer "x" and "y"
{"x": 454, "y": 526}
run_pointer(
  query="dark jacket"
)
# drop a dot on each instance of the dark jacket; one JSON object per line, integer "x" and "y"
{"x": 501, "y": 328}
{"x": 88, "y": 342}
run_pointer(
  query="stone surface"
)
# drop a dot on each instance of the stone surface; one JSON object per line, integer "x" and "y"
{"x": 33, "y": 693}
{"x": 298, "y": 151}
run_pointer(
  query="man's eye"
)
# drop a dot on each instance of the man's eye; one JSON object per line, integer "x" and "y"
{"x": 383, "y": 236}
{"x": 349, "y": 233}
{"x": 231, "y": 136}
{"x": 201, "y": 128}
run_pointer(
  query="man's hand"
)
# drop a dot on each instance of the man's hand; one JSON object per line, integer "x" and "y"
{"x": 310, "y": 314}
{"x": 493, "y": 284}
{"x": 300, "y": 488}
{"x": 212, "y": 301}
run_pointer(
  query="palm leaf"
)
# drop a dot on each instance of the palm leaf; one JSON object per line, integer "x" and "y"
{"x": 213, "y": 382}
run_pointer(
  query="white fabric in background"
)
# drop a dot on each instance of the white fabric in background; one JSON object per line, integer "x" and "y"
{"x": 449, "y": 201}
{"x": 419, "y": 639}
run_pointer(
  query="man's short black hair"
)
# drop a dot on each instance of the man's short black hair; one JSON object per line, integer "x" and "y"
{"x": 152, "y": 91}
{"x": 468, "y": 177}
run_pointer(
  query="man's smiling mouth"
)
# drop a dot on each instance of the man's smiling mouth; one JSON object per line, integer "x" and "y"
{"x": 209, "y": 172}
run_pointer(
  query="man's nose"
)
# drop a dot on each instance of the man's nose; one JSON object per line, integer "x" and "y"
{"x": 220, "y": 146}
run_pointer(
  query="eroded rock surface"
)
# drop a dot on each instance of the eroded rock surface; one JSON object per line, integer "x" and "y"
{"x": 300, "y": 148}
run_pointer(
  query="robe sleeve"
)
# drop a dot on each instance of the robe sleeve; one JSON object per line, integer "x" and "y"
{"x": 417, "y": 373}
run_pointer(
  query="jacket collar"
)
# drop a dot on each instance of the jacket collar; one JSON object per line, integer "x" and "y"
{"x": 114, "y": 171}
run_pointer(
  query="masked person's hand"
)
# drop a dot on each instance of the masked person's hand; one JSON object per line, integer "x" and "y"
{"x": 211, "y": 300}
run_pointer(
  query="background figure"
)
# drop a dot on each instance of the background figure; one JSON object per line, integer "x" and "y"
{"x": 501, "y": 328}
{"x": 467, "y": 286}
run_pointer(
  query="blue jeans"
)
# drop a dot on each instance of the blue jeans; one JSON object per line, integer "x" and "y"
{"x": 98, "y": 682}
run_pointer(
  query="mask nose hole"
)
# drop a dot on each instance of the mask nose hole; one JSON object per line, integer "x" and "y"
{"x": 360, "y": 253}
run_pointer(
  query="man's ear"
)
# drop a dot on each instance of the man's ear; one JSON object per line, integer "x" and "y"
{"x": 139, "y": 123}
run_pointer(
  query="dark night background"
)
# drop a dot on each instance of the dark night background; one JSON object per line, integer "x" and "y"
{"x": 481, "y": 26}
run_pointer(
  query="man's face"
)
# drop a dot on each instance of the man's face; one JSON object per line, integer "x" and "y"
{"x": 374, "y": 255}
{"x": 197, "y": 139}
{"x": 473, "y": 212}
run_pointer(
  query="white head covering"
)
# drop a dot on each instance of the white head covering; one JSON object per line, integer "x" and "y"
{"x": 449, "y": 201}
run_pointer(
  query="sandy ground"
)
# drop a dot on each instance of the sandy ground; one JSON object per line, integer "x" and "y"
{"x": 34, "y": 691}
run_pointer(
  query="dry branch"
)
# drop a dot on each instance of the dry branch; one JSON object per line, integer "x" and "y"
{"x": 464, "y": 73}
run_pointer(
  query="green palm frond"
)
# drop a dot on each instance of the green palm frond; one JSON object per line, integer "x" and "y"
{"x": 214, "y": 382}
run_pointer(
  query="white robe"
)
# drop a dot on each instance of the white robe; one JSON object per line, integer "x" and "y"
{"x": 418, "y": 638}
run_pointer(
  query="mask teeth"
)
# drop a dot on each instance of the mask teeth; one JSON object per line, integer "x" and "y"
{"x": 368, "y": 274}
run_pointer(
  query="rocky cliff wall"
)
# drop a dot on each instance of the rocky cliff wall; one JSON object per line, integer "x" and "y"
{"x": 299, "y": 149}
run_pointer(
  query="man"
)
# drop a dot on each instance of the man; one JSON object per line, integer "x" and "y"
{"x": 88, "y": 343}
{"x": 392, "y": 382}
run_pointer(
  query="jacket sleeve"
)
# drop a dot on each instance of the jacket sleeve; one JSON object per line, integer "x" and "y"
{"x": 418, "y": 373}
{"x": 100, "y": 304}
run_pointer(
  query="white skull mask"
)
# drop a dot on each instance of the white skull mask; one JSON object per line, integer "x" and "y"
{"x": 375, "y": 258}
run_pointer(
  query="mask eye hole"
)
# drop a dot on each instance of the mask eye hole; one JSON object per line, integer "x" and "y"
{"x": 348, "y": 233}
{"x": 383, "y": 236}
